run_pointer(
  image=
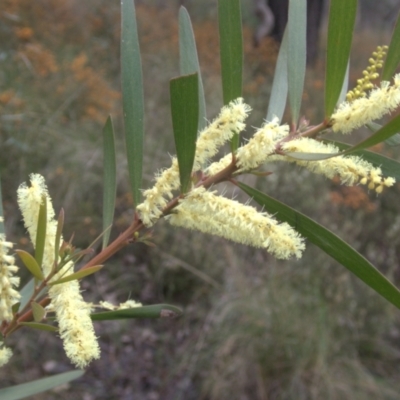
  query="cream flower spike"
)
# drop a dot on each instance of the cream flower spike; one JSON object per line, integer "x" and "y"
{"x": 350, "y": 169}
{"x": 221, "y": 130}
{"x": 29, "y": 200}
{"x": 8, "y": 295}
{"x": 72, "y": 312}
{"x": 229, "y": 121}
{"x": 256, "y": 151}
{"x": 5, "y": 355}
{"x": 361, "y": 111}
{"x": 75, "y": 325}
{"x": 127, "y": 304}
{"x": 204, "y": 211}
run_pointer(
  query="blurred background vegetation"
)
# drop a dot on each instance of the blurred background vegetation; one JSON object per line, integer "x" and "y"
{"x": 253, "y": 327}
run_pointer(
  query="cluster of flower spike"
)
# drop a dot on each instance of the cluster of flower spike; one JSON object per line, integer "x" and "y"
{"x": 8, "y": 282}
{"x": 72, "y": 312}
{"x": 370, "y": 73}
{"x": 363, "y": 110}
{"x": 207, "y": 212}
{"x": 204, "y": 211}
{"x": 8, "y": 294}
{"x": 350, "y": 169}
{"x": 221, "y": 130}
{"x": 257, "y": 151}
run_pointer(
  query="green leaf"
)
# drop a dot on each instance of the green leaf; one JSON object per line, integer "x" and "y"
{"x": 38, "y": 311}
{"x": 277, "y": 100}
{"x": 2, "y": 230}
{"x": 31, "y": 264}
{"x": 297, "y": 52}
{"x": 41, "y": 385}
{"x": 41, "y": 231}
{"x": 185, "y": 114}
{"x": 41, "y": 327}
{"x": 77, "y": 275}
{"x": 110, "y": 179}
{"x": 393, "y": 54}
{"x": 316, "y": 156}
{"x": 392, "y": 141}
{"x": 231, "y": 49}
{"x": 154, "y": 311}
{"x": 132, "y": 96}
{"x": 384, "y": 133}
{"x": 330, "y": 243}
{"x": 342, "y": 16}
{"x": 189, "y": 62}
{"x": 26, "y": 293}
{"x": 311, "y": 156}
{"x": 14, "y": 308}
{"x": 345, "y": 85}
{"x": 60, "y": 226}
{"x": 388, "y": 166}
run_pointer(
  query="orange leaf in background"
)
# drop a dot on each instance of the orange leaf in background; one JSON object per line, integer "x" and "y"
{"x": 25, "y": 33}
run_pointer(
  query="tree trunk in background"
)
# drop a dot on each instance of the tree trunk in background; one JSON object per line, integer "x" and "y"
{"x": 314, "y": 16}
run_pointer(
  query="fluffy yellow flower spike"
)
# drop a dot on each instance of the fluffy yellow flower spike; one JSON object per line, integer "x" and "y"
{"x": 256, "y": 151}
{"x": 75, "y": 325}
{"x": 370, "y": 73}
{"x": 29, "y": 200}
{"x": 8, "y": 295}
{"x": 204, "y": 211}
{"x": 5, "y": 355}
{"x": 230, "y": 121}
{"x": 72, "y": 312}
{"x": 361, "y": 111}
{"x": 350, "y": 169}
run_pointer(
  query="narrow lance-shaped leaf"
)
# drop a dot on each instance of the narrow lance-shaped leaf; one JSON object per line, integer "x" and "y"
{"x": 154, "y": 311}
{"x": 26, "y": 292}
{"x": 189, "y": 61}
{"x": 60, "y": 226}
{"x": 393, "y": 54}
{"x": 231, "y": 49}
{"x": 14, "y": 309}
{"x": 132, "y": 96}
{"x": 77, "y": 275}
{"x": 38, "y": 311}
{"x": 312, "y": 156}
{"x": 329, "y": 243}
{"x": 41, "y": 385}
{"x": 40, "y": 326}
{"x": 2, "y": 230}
{"x": 388, "y": 166}
{"x": 185, "y": 112}
{"x": 345, "y": 85}
{"x": 384, "y": 133}
{"x": 297, "y": 53}
{"x": 277, "y": 100}
{"x": 31, "y": 264}
{"x": 342, "y": 16}
{"x": 110, "y": 179}
{"x": 41, "y": 231}
{"x": 393, "y": 141}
